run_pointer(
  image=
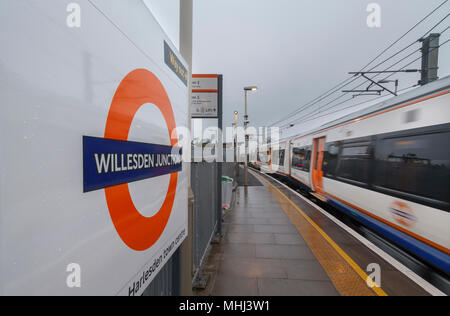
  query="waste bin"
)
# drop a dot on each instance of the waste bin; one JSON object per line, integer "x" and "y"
{"x": 227, "y": 192}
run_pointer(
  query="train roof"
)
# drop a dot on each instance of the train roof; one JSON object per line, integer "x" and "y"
{"x": 433, "y": 87}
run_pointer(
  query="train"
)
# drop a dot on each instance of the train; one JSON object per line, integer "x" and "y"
{"x": 387, "y": 166}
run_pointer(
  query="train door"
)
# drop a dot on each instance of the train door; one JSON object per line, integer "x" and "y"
{"x": 288, "y": 160}
{"x": 269, "y": 154}
{"x": 317, "y": 172}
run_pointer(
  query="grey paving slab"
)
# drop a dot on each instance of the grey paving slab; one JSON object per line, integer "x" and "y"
{"x": 264, "y": 254}
{"x": 251, "y": 268}
{"x": 279, "y": 221}
{"x": 233, "y": 286}
{"x": 275, "y": 228}
{"x": 256, "y": 220}
{"x": 274, "y": 215}
{"x": 284, "y": 252}
{"x": 297, "y": 269}
{"x": 289, "y": 239}
{"x": 238, "y": 250}
{"x": 304, "y": 270}
{"x": 262, "y": 207}
{"x": 240, "y": 228}
{"x": 256, "y": 211}
{"x": 285, "y": 287}
{"x": 250, "y": 238}
{"x": 249, "y": 221}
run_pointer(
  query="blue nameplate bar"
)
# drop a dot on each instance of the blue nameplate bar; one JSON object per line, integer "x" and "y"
{"x": 108, "y": 162}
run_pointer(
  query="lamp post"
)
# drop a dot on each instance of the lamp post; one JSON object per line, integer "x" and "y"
{"x": 246, "y": 121}
{"x": 236, "y": 163}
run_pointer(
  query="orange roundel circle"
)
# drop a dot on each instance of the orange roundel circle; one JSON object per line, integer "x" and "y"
{"x": 403, "y": 214}
{"x": 136, "y": 89}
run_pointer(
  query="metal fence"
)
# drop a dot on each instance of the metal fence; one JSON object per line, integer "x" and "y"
{"x": 167, "y": 282}
{"x": 204, "y": 181}
{"x": 229, "y": 169}
{"x": 204, "y": 185}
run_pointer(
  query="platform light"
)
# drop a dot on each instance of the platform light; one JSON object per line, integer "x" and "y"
{"x": 246, "y": 121}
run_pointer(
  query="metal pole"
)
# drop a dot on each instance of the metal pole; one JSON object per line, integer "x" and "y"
{"x": 246, "y": 140}
{"x": 234, "y": 149}
{"x": 236, "y": 160}
{"x": 219, "y": 157}
{"x": 430, "y": 56}
{"x": 186, "y": 260}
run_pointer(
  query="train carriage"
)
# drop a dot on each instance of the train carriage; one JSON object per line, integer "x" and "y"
{"x": 388, "y": 166}
{"x": 265, "y": 158}
{"x": 280, "y": 158}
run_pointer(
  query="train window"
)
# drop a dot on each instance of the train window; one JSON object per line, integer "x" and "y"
{"x": 356, "y": 150}
{"x": 417, "y": 165}
{"x": 301, "y": 158}
{"x": 355, "y": 162}
{"x": 281, "y": 155}
{"x": 330, "y": 159}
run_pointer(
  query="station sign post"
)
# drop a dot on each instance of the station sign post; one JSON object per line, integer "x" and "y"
{"x": 207, "y": 104}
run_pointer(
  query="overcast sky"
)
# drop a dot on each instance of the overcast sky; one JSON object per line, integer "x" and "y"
{"x": 295, "y": 50}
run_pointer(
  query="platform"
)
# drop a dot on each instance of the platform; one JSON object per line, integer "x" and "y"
{"x": 276, "y": 243}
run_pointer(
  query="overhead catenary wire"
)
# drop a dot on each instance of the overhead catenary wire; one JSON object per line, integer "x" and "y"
{"x": 350, "y": 80}
{"x": 321, "y": 108}
{"x": 418, "y": 58}
{"x": 380, "y": 97}
{"x": 348, "y": 107}
{"x": 384, "y": 70}
{"x": 409, "y": 31}
{"x": 313, "y": 117}
{"x": 353, "y": 105}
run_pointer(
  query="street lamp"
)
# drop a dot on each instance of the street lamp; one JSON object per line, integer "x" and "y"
{"x": 236, "y": 164}
{"x": 247, "y": 89}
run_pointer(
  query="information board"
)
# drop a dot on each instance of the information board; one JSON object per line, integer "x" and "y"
{"x": 205, "y": 96}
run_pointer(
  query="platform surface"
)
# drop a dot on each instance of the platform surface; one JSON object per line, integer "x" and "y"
{"x": 277, "y": 244}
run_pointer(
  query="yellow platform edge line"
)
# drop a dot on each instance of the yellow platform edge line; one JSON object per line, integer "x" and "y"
{"x": 378, "y": 290}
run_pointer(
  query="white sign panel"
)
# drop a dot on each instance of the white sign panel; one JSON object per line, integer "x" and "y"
{"x": 93, "y": 193}
{"x": 205, "y": 96}
{"x": 205, "y": 83}
{"x": 204, "y": 105}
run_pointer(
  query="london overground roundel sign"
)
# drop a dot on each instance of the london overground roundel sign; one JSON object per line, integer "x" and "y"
{"x": 111, "y": 162}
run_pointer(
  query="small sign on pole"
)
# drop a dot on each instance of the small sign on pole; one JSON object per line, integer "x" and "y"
{"x": 205, "y": 96}
{"x": 207, "y": 104}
